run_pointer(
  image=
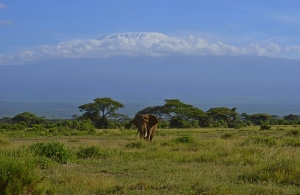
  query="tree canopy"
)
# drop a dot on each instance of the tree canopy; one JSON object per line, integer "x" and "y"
{"x": 98, "y": 110}
{"x": 176, "y": 108}
{"x": 155, "y": 110}
{"x": 178, "y": 113}
{"x": 260, "y": 118}
{"x": 28, "y": 118}
{"x": 230, "y": 116}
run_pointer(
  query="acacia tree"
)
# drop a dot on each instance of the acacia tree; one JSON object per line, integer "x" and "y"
{"x": 116, "y": 117}
{"x": 230, "y": 116}
{"x": 181, "y": 114}
{"x": 155, "y": 110}
{"x": 292, "y": 119}
{"x": 98, "y": 110}
{"x": 177, "y": 113}
{"x": 260, "y": 118}
{"x": 176, "y": 108}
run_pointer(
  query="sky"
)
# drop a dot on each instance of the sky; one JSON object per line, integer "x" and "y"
{"x": 38, "y": 30}
{"x": 54, "y": 35}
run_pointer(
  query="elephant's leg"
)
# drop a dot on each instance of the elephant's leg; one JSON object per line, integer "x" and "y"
{"x": 148, "y": 138}
{"x": 152, "y": 135}
{"x": 153, "y": 129}
{"x": 141, "y": 133}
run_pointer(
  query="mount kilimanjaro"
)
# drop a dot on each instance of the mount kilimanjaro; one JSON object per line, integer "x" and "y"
{"x": 135, "y": 35}
{"x": 143, "y": 69}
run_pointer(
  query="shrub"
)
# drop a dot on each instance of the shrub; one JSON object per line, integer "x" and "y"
{"x": 53, "y": 150}
{"x": 163, "y": 124}
{"x": 52, "y": 130}
{"x": 249, "y": 123}
{"x": 194, "y": 124}
{"x": 92, "y": 131}
{"x": 18, "y": 126}
{"x": 129, "y": 125}
{"x": 63, "y": 129}
{"x": 86, "y": 125}
{"x": 239, "y": 124}
{"x": 184, "y": 139}
{"x": 88, "y": 152}
{"x": 265, "y": 127}
{"x": 44, "y": 162}
{"x": 5, "y": 126}
{"x": 18, "y": 176}
{"x": 23, "y": 123}
{"x": 38, "y": 128}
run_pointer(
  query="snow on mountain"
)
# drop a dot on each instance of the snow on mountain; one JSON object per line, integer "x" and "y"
{"x": 136, "y": 44}
{"x": 134, "y": 35}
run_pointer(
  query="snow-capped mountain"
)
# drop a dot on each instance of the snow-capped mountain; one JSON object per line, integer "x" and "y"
{"x": 157, "y": 44}
{"x": 134, "y": 35}
{"x": 136, "y": 44}
{"x": 122, "y": 66}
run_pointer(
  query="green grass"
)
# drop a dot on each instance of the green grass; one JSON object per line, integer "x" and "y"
{"x": 195, "y": 161}
{"x": 19, "y": 174}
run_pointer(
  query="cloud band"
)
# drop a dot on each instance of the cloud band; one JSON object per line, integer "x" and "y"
{"x": 137, "y": 44}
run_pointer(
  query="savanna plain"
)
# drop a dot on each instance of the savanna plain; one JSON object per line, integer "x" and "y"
{"x": 178, "y": 161}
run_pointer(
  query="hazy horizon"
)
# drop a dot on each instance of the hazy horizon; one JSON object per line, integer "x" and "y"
{"x": 252, "y": 84}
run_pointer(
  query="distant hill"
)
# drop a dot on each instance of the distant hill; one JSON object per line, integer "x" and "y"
{"x": 58, "y": 87}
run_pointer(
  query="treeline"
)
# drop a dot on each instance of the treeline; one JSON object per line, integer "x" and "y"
{"x": 29, "y": 122}
{"x": 102, "y": 114}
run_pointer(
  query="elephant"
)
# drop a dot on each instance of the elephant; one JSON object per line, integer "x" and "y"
{"x": 147, "y": 125}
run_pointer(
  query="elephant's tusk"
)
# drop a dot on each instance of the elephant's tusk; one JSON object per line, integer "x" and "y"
{"x": 146, "y": 134}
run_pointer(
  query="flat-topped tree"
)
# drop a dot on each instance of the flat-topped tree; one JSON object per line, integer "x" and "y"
{"x": 98, "y": 110}
{"x": 176, "y": 112}
{"x": 176, "y": 108}
{"x": 155, "y": 110}
{"x": 230, "y": 116}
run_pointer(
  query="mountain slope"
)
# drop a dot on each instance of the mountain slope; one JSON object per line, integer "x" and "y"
{"x": 253, "y": 84}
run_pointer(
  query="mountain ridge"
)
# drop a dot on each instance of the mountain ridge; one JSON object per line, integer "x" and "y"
{"x": 133, "y": 35}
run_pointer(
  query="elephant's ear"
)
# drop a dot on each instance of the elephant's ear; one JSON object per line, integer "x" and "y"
{"x": 136, "y": 120}
{"x": 152, "y": 120}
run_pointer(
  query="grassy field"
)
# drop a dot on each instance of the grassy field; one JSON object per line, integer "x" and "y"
{"x": 178, "y": 161}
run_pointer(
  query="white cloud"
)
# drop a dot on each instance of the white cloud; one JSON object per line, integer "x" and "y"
{"x": 292, "y": 49}
{"x": 136, "y": 44}
{"x": 2, "y": 6}
{"x": 6, "y": 22}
